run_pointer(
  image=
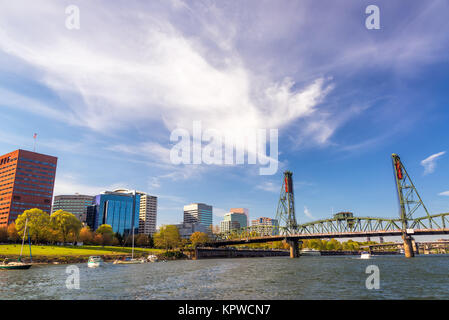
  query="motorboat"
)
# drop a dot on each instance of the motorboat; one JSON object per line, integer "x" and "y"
{"x": 365, "y": 255}
{"x": 94, "y": 262}
{"x": 310, "y": 252}
{"x": 152, "y": 258}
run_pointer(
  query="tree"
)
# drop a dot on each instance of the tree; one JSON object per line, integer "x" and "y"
{"x": 13, "y": 235}
{"x": 86, "y": 236}
{"x": 66, "y": 224}
{"x": 38, "y": 224}
{"x": 142, "y": 240}
{"x": 199, "y": 238}
{"x": 168, "y": 237}
{"x": 3, "y": 234}
{"x": 119, "y": 238}
{"x": 105, "y": 229}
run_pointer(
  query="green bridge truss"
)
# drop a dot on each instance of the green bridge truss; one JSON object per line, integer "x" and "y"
{"x": 409, "y": 204}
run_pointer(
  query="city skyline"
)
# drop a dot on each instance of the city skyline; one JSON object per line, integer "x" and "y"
{"x": 343, "y": 100}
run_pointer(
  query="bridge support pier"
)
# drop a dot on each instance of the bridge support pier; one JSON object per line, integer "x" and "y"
{"x": 415, "y": 247}
{"x": 408, "y": 246}
{"x": 294, "y": 248}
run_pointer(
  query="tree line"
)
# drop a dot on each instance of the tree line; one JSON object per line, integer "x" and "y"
{"x": 64, "y": 227}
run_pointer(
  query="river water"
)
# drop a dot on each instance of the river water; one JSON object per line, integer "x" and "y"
{"x": 327, "y": 277}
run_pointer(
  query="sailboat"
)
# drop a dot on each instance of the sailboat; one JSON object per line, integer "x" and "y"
{"x": 18, "y": 265}
{"x": 131, "y": 260}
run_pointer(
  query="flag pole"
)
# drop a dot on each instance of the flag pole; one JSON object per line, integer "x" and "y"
{"x": 34, "y": 146}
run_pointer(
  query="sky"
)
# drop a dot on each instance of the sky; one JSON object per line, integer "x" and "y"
{"x": 106, "y": 97}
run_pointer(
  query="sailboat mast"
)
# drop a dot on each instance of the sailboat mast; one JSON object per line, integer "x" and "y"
{"x": 134, "y": 213}
{"x": 23, "y": 238}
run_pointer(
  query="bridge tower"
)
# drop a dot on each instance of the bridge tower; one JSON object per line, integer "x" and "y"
{"x": 286, "y": 207}
{"x": 286, "y": 214}
{"x": 409, "y": 202}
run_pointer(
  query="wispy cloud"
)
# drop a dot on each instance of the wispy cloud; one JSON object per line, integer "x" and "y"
{"x": 268, "y": 186}
{"x": 429, "y": 163}
{"x": 445, "y": 193}
{"x": 308, "y": 213}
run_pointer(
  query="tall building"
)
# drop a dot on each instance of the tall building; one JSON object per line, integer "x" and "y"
{"x": 243, "y": 211}
{"x": 147, "y": 211}
{"x": 265, "y": 226}
{"x": 148, "y": 214}
{"x": 76, "y": 204}
{"x": 26, "y": 181}
{"x": 232, "y": 221}
{"x": 120, "y": 210}
{"x": 187, "y": 229}
{"x": 198, "y": 213}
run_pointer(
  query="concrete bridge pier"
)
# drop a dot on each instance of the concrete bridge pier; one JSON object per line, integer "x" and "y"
{"x": 415, "y": 247}
{"x": 294, "y": 247}
{"x": 408, "y": 246}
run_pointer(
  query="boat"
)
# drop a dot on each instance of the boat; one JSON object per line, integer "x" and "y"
{"x": 152, "y": 258}
{"x": 310, "y": 252}
{"x": 94, "y": 262}
{"x": 129, "y": 260}
{"x": 365, "y": 255}
{"x": 18, "y": 265}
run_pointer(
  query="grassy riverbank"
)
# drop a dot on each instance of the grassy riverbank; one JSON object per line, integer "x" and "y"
{"x": 11, "y": 249}
{"x": 72, "y": 254}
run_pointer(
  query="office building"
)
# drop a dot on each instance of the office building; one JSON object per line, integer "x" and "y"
{"x": 232, "y": 221}
{"x": 265, "y": 226}
{"x": 26, "y": 181}
{"x": 119, "y": 209}
{"x": 76, "y": 204}
{"x": 148, "y": 214}
{"x": 198, "y": 213}
{"x": 242, "y": 211}
{"x": 228, "y": 225}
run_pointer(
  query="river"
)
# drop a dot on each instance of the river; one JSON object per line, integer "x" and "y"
{"x": 327, "y": 277}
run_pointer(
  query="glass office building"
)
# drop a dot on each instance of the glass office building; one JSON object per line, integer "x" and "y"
{"x": 117, "y": 209}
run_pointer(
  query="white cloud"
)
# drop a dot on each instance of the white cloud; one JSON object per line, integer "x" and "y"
{"x": 69, "y": 184}
{"x": 153, "y": 73}
{"x": 269, "y": 186}
{"x": 429, "y": 163}
{"x": 308, "y": 213}
{"x": 218, "y": 212}
{"x": 445, "y": 193}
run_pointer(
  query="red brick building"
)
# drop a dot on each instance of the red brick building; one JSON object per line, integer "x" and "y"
{"x": 26, "y": 181}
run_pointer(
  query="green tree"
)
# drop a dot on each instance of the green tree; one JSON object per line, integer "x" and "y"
{"x": 66, "y": 224}
{"x": 38, "y": 224}
{"x": 142, "y": 240}
{"x": 105, "y": 229}
{"x": 199, "y": 238}
{"x": 119, "y": 238}
{"x": 168, "y": 237}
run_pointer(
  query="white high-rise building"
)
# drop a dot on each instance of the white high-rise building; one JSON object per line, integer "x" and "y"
{"x": 148, "y": 214}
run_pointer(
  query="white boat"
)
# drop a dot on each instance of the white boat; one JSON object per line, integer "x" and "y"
{"x": 310, "y": 252}
{"x": 365, "y": 255}
{"x": 94, "y": 262}
{"x": 152, "y": 258}
{"x": 129, "y": 260}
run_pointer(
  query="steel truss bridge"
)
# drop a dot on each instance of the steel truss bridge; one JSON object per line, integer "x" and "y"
{"x": 344, "y": 224}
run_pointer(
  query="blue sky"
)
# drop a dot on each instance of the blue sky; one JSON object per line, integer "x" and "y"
{"x": 105, "y": 98}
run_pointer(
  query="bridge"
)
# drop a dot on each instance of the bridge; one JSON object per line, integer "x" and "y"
{"x": 344, "y": 224}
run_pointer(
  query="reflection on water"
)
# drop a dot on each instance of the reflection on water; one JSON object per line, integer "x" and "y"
{"x": 326, "y": 277}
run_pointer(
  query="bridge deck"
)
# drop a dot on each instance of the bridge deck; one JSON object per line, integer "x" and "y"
{"x": 380, "y": 233}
